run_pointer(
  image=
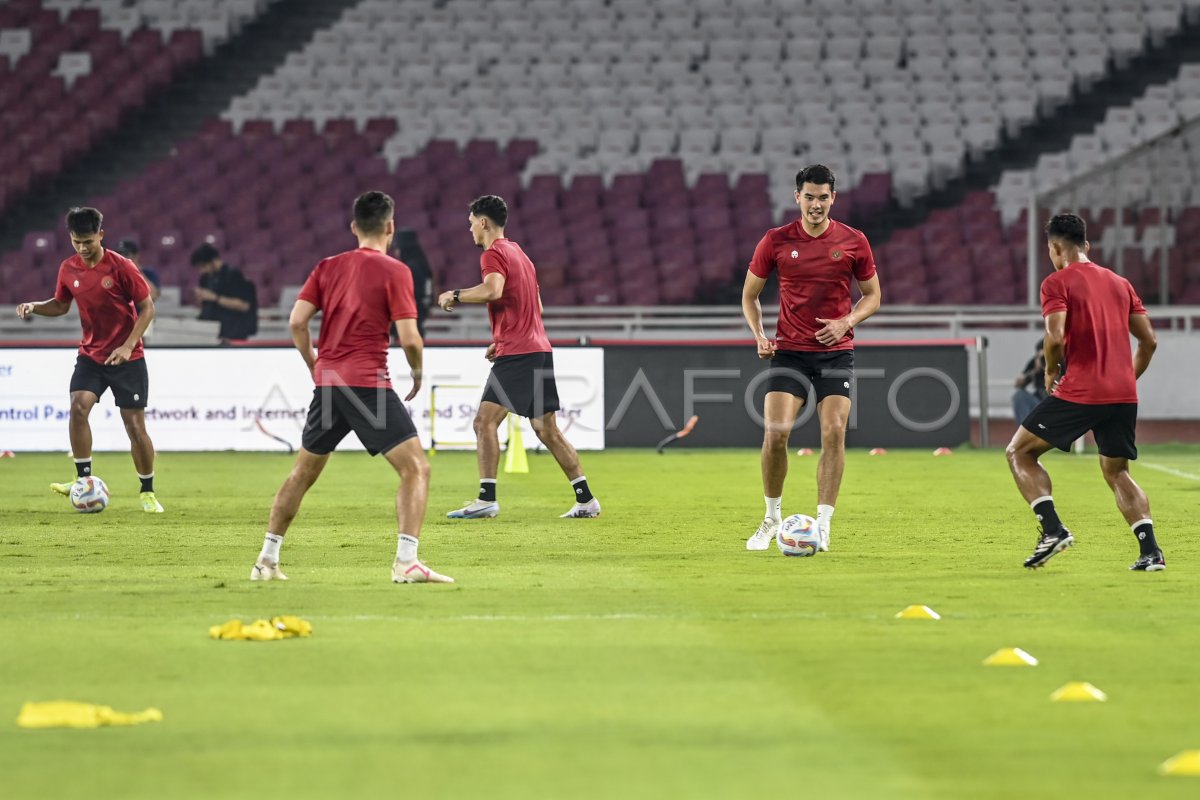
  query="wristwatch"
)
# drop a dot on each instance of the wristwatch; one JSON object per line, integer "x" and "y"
{"x": 456, "y": 291}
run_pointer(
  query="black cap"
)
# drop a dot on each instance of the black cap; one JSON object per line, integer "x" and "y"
{"x": 128, "y": 248}
{"x": 204, "y": 254}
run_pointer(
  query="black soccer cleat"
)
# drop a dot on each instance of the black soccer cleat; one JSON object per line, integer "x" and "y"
{"x": 1049, "y": 545}
{"x": 1151, "y": 563}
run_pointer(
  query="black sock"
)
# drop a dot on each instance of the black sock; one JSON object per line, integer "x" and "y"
{"x": 147, "y": 482}
{"x": 1047, "y": 515}
{"x": 487, "y": 490}
{"x": 582, "y": 493}
{"x": 1144, "y": 531}
{"x": 83, "y": 467}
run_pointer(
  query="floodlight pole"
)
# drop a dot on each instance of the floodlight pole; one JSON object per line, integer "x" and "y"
{"x": 981, "y": 368}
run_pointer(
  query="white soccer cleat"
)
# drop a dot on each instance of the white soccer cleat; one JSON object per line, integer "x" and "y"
{"x": 476, "y": 509}
{"x": 265, "y": 570}
{"x": 765, "y": 534}
{"x": 416, "y": 572}
{"x": 583, "y": 510}
{"x": 823, "y": 547}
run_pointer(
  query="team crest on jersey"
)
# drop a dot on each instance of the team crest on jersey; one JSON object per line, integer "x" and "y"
{"x": 76, "y": 284}
{"x": 107, "y": 283}
{"x": 795, "y": 254}
{"x": 835, "y": 253}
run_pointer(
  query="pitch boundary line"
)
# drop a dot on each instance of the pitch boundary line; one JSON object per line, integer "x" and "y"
{"x": 1172, "y": 471}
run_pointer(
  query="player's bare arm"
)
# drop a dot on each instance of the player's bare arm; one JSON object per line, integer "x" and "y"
{"x": 47, "y": 308}
{"x": 752, "y": 311}
{"x": 414, "y": 350}
{"x": 490, "y": 290}
{"x": 302, "y": 314}
{"x": 1054, "y": 347}
{"x": 1143, "y": 331}
{"x": 836, "y": 329}
{"x": 145, "y": 316}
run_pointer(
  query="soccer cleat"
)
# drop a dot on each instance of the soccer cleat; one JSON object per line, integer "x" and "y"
{"x": 476, "y": 509}
{"x": 264, "y": 570}
{"x": 1049, "y": 545}
{"x": 765, "y": 534}
{"x": 416, "y": 572}
{"x": 1151, "y": 563}
{"x": 62, "y": 488}
{"x": 150, "y": 503}
{"x": 583, "y": 510}
{"x": 823, "y": 547}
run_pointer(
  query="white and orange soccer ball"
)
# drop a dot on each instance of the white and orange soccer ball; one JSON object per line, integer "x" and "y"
{"x": 798, "y": 536}
{"x": 89, "y": 495}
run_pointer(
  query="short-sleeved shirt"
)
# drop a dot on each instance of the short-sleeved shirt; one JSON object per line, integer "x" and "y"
{"x": 1099, "y": 357}
{"x": 360, "y": 293}
{"x": 814, "y": 279}
{"x": 107, "y": 295}
{"x": 516, "y": 317}
{"x": 228, "y": 281}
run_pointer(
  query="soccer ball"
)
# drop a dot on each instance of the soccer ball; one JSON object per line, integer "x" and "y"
{"x": 798, "y": 536}
{"x": 89, "y": 495}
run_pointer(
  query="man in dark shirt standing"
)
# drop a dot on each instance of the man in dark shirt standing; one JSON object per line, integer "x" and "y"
{"x": 225, "y": 295}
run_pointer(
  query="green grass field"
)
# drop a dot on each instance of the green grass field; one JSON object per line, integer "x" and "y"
{"x": 645, "y": 654}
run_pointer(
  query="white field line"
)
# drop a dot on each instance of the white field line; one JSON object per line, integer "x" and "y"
{"x": 1172, "y": 471}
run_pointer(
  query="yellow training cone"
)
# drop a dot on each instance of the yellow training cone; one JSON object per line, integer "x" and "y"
{"x": 1010, "y": 657}
{"x": 514, "y": 458}
{"x": 1078, "y": 692}
{"x": 1186, "y": 763}
{"x": 918, "y": 612}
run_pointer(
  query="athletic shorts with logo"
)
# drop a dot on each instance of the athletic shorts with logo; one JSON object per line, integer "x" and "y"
{"x": 376, "y": 415}
{"x": 130, "y": 382}
{"x": 524, "y": 384}
{"x": 829, "y": 373}
{"x": 1061, "y": 422}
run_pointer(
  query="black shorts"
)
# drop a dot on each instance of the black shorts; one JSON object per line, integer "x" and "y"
{"x": 830, "y": 373}
{"x": 130, "y": 382}
{"x": 376, "y": 415}
{"x": 1061, "y": 422}
{"x": 524, "y": 384}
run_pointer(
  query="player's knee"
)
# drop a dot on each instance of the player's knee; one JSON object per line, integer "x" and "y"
{"x": 833, "y": 433}
{"x": 775, "y": 439}
{"x": 80, "y": 408}
{"x": 481, "y": 426}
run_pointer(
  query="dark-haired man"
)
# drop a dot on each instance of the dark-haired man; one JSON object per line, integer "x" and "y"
{"x": 115, "y": 309}
{"x": 361, "y": 294}
{"x": 816, "y": 257}
{"x": 129, "y": 249}
{"x": 522, "y": 378}
{"x": 226, "y": 295}
{"x": 1090, "y": 313}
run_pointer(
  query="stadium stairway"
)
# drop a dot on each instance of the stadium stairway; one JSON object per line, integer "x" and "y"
{"x": 177, "y": 112}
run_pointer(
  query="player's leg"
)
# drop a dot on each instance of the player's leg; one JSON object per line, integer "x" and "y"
{"x": 131, "y": 385}
{"x": 834, "y": 414}
{"x": 780, "y": 409}
{"x": 487, "y": 451}
{"x": 88, "y": 384}
{"x": 1033, "y": 481}
{"x": 548, "y": 432}
{"x": 1116, "y": 439}
{"x": 409, "y": 461}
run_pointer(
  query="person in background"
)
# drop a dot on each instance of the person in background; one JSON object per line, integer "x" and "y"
{"x": 225, "y": 295}
{"x": 1030, "y": 388}
{"x": 129, "y": 249}
{"x": 408, "y": 249}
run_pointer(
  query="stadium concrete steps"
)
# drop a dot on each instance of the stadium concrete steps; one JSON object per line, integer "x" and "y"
{"x": 177, "y": 112}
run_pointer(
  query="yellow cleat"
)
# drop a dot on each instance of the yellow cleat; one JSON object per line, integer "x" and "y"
{"x": 150, "y": 503}
{"x": 62, "y": 488}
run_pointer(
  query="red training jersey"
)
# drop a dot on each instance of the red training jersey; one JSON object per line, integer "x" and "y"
{"x": 1098, "y": 303}
{"x": 107, "y": 295}
{"x": 814, "y": 279}
{"x": 517, "y": 316}
{"x": 360, "y": 293}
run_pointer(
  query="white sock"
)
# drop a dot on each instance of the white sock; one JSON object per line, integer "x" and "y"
{"x": 773, "y": 506}
{"x": 824, "y": 516}
{"x": 406, "y": 548}
{"x": 270, "y": 549}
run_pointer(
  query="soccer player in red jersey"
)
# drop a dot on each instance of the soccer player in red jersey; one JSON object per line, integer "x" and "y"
{"x": 1090, "y": 313}
{"x": 816, "y": 257}
{"x": 360, "y": 294}
{"x": 115, "y": 308}
{"x": 522, "y": 379}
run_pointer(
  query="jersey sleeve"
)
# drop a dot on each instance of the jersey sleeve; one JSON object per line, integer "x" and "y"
{"x": 136, "y": 287}
{"x": 762, "y": 263}
{"x": 1054, "y": 296}
{"x": 864, "y": 262}
{"x": 1135, "y": 302}
{"x": 310, "y": 292}
{"x": 490, "y": 262}
{"x": 62, "y": 289}
{"x": 402, "y": 304}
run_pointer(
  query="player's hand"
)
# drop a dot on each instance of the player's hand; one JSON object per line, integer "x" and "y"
{"x": 119, "y": 356}
{"x": 766, "y": 348}
{"x": 24, "y": 310}
{"x": 490, "y": 353}
{"x": 1052, "y": 378}
{"x": 834, "y": 331}
{"x": 446, "y": 301}
{"x": 416, "y": 387}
